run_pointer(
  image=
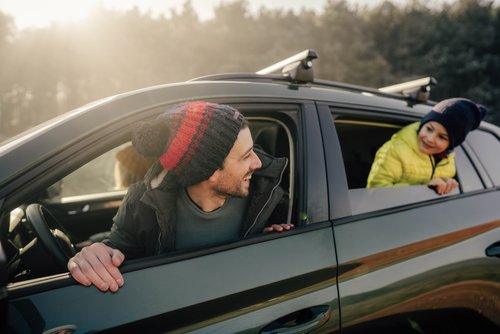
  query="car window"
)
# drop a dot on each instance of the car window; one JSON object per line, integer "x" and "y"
{"x": 275, "y": 138}
{"x": 487, "y": 148}
{"x": 359, "y": 140}
{"x": 466, "y": 173}
{"x": 113, "y": 171}
{"x": 84, "y": 202}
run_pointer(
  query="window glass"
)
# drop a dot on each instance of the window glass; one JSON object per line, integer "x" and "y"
{"x": 112, "y": 171}
{"x": 466, "y": 173}
{"x": 487, "y": 148}
{"x": 274, "y": 137}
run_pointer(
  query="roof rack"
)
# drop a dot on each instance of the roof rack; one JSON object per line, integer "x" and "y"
{"x": 297, "y": 68}
{"x": 417, "y": 90}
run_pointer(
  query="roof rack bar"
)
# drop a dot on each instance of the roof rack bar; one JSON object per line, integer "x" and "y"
{"x": 316, "y": 82}
{"x": 418, "y": 89}
{"x": 305, "y": 57}
{"x": 399, "y": 88}
{"x": 238, "y": 76}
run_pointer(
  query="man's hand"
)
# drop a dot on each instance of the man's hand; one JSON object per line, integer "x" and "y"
{"x": 442, "y": 186}
{"x": 97, "y": 264}
{"x": 278, "y": 228}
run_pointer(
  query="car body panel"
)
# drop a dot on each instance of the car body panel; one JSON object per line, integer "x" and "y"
{"x": 242, "y": 276}
{"x": 434, "y": 256}
{"x": 418, "y": 261}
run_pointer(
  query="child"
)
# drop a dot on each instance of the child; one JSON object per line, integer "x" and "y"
{"x": 422, "y": 152}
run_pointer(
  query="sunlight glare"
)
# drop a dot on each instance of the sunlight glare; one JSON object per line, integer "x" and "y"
{"x": 44, "y": 13}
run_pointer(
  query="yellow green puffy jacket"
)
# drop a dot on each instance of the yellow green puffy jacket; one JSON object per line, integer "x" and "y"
{"x": 399, "y": 162}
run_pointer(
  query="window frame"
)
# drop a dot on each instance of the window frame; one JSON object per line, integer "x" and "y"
{"x": 287, "y": 115}
{"x": 484, "y": 161}
{"x": 366, "y": 201}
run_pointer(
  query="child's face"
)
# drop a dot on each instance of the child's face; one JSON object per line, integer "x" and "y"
{"x": 433, "y": 138}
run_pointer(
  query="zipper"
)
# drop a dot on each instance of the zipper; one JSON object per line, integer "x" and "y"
{"x": 268, "y": 199}
{"x": 433, "y": 165}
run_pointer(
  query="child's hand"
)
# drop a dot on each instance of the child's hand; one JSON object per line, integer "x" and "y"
{"x": 442, "y": 186}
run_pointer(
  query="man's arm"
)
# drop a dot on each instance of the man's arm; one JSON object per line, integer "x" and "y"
{"x": 98, "y": 264}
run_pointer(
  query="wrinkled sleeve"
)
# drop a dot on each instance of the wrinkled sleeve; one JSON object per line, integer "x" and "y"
{"x": 446, "y": 169}
{"x": 124, "y": 232}
{"x": 387, "y": 168}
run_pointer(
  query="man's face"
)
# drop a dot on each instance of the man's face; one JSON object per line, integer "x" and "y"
{"x": 233, "y": 179}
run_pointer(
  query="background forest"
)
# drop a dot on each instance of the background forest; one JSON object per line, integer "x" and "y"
{"x": 47, "y": 71}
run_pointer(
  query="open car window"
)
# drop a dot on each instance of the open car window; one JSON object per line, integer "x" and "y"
{"x": 84, "y": 202}
{"x": 359, "y": 140}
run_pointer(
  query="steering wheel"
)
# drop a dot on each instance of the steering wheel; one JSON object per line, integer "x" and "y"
{"x": 51, "y": 234}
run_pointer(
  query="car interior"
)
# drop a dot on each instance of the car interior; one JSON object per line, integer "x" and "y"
{"x": 46, "y": 231}
{"x": 360, "y": 140}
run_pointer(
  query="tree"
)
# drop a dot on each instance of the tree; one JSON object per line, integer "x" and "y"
{"x": 51, "y": 70}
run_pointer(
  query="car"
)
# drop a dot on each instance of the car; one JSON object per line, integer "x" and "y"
{"x": 396, "y": 259}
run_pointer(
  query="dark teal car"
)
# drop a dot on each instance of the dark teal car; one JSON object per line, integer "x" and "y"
{"x": 391, "y": 260}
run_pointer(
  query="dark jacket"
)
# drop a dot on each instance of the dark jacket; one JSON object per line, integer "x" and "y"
{"x": 145, "y": 223}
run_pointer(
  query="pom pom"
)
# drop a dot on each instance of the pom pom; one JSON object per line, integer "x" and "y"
{"x": 150, "y": 138}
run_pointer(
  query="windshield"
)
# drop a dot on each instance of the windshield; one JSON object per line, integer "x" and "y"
{"x": 9, "y": 138}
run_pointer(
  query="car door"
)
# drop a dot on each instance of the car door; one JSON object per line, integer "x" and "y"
{"x": 267, "y": 283}
{"x": 420, "y": 261}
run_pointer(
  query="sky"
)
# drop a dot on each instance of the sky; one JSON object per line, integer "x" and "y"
{"x": 38, "y": 13}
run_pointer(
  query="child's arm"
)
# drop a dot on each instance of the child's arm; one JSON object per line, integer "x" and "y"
{"x": 386, "y": 169}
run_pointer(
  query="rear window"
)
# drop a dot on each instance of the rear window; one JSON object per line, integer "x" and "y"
{"x": 361, "y": 138}
{"x": 487, "y": 148}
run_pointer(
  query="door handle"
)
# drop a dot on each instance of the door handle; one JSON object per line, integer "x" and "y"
{"x": 494, "y": 249}
{"x": 303, "y": 321}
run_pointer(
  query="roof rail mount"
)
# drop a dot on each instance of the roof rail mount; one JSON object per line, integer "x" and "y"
{"x": 297, "y": 68}
{"x": 417, "y": 90}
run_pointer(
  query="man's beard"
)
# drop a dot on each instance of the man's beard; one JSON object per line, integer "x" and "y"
{"x": 224, "y": 191}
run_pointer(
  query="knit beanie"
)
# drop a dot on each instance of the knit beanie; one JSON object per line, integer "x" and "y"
{"x": 458, "y": 116}
{"x": 191, "y": 140}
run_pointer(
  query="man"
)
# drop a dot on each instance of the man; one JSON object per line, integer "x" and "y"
{"x": 208, "y": 186}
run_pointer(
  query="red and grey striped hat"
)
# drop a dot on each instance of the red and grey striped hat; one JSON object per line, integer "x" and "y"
{"x": 191, "y": 140}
